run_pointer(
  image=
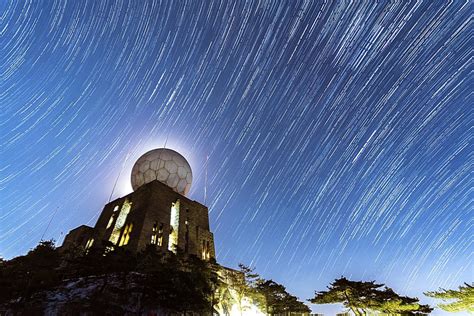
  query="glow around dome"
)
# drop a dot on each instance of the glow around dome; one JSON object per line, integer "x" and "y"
{"x": 164, "y": 165}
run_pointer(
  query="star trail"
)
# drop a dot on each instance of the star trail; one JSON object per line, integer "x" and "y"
{"x": 339, "y": 134}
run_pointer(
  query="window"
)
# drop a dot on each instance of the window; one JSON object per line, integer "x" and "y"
{"x": 160, "y": 235}
{"x": 157, "y": 234}
{"x": 121, "y": 218}
{"x": 126, "y": 235}
{"x": 154, "y": 234}
{"x": 111, "y": 220}
{"x": 89, "y": 243}
{"x": 186, "y": 245}
{"x": 205, "y": 253}
{"x": 174, "y": 223}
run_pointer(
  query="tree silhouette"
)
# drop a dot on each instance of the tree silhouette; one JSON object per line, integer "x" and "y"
{"x": 177, "y": 283}
{"x": 361, "y": 296}
{"x": 151, "y": 279}
{"x": 389, "y": 302}
{"x": 118, "y": 280}
{"x": 274, "y": 294}
{"x": 463, "y": 298}
{"x": 278, "y": 300}
{"x": 33, "y": 272}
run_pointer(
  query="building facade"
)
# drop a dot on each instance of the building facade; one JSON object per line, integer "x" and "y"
{"x": 158, "y": 214}
{"x": 154, "y": 214}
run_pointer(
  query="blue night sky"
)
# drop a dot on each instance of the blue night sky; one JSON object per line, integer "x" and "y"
{"x": 339, "y": 134}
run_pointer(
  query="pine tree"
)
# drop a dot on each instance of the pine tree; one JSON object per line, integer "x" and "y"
{"x": 278, "y": 300}
{"x": 361, "y": 297}
{"x": 463, "y": 298}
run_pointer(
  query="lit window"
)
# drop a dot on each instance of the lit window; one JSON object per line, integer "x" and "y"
{"x": 160, "y": 235}
{"x": 154, "y": 234}
{"x": 126, "y": 235}
{"x": 174, "y": 223}
{"x": 205, "y": 255}
{"x": 157, "y": 234}
{"x": 114, "y": 236}
{"x": 203, "y": 250}
{"x": 111, "y": 220}
{"x": 186, "y": 237}
{"x": 89, "y": 243}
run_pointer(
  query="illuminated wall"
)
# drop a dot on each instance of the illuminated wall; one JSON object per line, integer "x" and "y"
{"x": 231, "y": 301}
{"x": 228, "y": 305}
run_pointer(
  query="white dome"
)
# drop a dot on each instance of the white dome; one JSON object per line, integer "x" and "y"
{"x": 164, "y": 165}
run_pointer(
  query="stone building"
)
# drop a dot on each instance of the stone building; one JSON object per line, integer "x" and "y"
{"x": 157, "y": 213}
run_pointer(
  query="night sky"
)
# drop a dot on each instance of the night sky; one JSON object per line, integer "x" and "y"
{"x": 339, "y": 134}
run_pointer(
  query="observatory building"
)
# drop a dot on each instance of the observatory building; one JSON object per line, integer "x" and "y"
{"x": 156, "y": 213}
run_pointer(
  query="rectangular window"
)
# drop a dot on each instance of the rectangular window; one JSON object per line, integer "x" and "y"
{"x": 205, "y": 250}
{"x": 122, "y": 217}
{"x": 160, "y": 235}
{"x": 111, "y": 220}
{"x": 126, "y": 235}
{"x": 89, "y": 244}
{"x": 154, "y": 234}
{"x": 174, "y": 223}
{"x": 186, "y": 245}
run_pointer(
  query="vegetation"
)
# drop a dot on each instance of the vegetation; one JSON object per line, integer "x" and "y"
{"x": 363, "y": 297}
{"x": 25, "y": 275}
{"x": 242, "y": 286}
{"x": 123, "y": 282}
{"x": 175, "y": 283}
{"x": 267, "y": 295}
{"x": 462, "y": 300}
{"x": 278, "y": 300}
{"x": 247, "y": 289}
{"x": 179, "y": 283}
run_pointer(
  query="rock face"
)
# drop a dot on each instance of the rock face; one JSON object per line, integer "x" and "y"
{"x": 97, "y": 295}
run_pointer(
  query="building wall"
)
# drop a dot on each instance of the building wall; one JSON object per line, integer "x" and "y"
{"x": 78, "y": 237}
{"x": 150, "y": 207}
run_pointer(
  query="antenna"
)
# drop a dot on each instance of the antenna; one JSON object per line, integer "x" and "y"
{"x": 57, "y": 208}
{"x": 166, "y": 140}
{"x": 118, "y": 176}
{"x": 164, "y": 146}
{"x": 205, "y": 179}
